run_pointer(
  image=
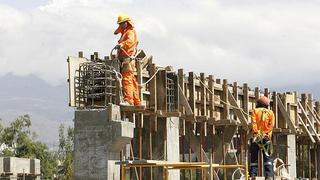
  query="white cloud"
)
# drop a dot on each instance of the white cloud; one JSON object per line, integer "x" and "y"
{"x": 269, "y": 43}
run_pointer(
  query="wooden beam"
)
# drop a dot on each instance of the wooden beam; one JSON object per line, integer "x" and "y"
{"x": 246, "y": 99}
{"x": 309, "y": 121}
{"x": 266, "y": 92}
{"x": 305, "y": 128}
{"x": 153, "y": 97}
{"x": 211, "y": 97}
{"x": 286, "y": 115}
{"x": 244, "y": 121}
{"x": 203, "y": 95}
{"x": 226, "y": 110}
{"x": 181, "y": 106}
{"x": 191, "y": 85}
{"x": 184, "y": 102}
{"x": 314, "y": 116}
{"x": 162, "y": 90}
{"x": 153, "y": 88}
{"x": 257, "y": 93}
{"x": 235, "y": 94}
{"x": 275, "y": 109}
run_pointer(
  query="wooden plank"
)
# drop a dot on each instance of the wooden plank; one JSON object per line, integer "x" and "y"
{"x": 153, "y": 89}
{"x": 168, "y": 114}
{"x": 305, "y": 128}
{"x": 310, "y": 103}
{"x": 191, "y": 86}
{"x": 275, "y": 109}
{"x": 203, "y": 109}
{"x": 308, "y": 120}
{"x": 266, "y": 92}
{"x": 211, "y": 97}
{"x": 181, "y": 87}
{"x": 286, "y": 115}
{"x": 161, "y": 90}
{"x": 226, "y": 110}
{"x": 181, "y": 106}
{"x": 153, "y": 98}
{"x": 235, "y": 95}
{"x": 246, "y": 99}
{"x": 313, "y": 114}
{"x": 257, "y": 93}
{"x": 184, "y": 102}
{"x": 244, "y": 121}
{"x": 146, "y": 61}
{"x": 203, "y": 95}
{"x": 132, "y": 109}
{"x": 303, "y": 102}
{"x": 226, "y": 122}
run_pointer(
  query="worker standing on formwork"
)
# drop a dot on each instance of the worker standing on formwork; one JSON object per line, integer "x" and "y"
{"x": 127, "y": 47}
{"x": 262, "y": 126}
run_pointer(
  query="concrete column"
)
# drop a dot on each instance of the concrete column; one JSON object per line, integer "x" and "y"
{"x": 292, "y": 159}
{"x": 99, "y": 137}
{"x": 173, "y": 150}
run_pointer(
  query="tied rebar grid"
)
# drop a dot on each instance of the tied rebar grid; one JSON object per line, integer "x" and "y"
{"x": 170, "y": 95}
{"x": 96, "y": 85}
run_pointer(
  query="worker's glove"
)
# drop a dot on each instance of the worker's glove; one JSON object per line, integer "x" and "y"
{"x": 117, "y": 46}
{"x": 267, "y": 137}
{"x": 255, "y": 137}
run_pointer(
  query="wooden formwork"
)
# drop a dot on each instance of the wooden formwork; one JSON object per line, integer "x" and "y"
{"x": 209, "y": 107}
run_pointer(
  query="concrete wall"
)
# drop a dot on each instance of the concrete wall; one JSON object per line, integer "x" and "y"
{"x": 98, "y": 141}
{"x": 14, "y": 166}
{"x": 35, "y": 166}
{"x": 173, "y": 150}
{"x": 292, "y": 159}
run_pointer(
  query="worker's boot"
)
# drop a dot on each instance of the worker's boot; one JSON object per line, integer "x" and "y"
{"x": 269, "y": 178}
{"x": 125, "y": 103}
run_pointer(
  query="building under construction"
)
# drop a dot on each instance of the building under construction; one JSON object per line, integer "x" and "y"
{"x": 190, "y": 126}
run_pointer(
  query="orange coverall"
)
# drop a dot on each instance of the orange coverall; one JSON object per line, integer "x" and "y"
{"x": 262, "y": 125}
{"x": 262, "y": 122}
{"x": 128, "y": 42}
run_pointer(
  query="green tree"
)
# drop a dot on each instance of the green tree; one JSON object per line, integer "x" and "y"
{"x": 66, "y": 153}
{"x": 18, "y": 141}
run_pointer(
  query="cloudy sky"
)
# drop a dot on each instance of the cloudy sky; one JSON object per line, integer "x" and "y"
{"x": 269, "y": 43}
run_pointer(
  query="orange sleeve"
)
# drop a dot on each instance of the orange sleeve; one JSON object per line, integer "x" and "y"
{"x": 117, "y": 31}
{"x": 254, "y": 122}
{"x": 271, "y": 122}
{"x": 129, "y": 40}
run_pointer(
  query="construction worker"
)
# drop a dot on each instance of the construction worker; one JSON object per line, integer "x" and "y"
{"x": 262, "y": 126}
{"x": 127, "y": 47}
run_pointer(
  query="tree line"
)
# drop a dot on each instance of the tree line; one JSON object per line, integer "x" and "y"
{"x": 17, "y": 140}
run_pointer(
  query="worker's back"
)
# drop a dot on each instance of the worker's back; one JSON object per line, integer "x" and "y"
{"x": 262, "y": 121}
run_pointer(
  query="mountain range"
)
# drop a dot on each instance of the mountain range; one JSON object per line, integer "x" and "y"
{"x": 46, "y": 104}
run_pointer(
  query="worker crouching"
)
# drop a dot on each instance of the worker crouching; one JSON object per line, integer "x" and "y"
{"x": 127, "y": 47}
{"x": 262, "y": 126}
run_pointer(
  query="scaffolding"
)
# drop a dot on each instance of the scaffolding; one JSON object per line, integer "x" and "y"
{"x": 213, "y": 113}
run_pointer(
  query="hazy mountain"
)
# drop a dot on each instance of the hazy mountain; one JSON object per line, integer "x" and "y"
{"x": 47, "y": 104}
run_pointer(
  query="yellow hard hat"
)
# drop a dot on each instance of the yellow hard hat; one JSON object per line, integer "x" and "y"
{"x": 123, "y": 18}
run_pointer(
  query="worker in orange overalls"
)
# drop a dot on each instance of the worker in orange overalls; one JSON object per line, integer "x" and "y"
{"x": 127, "y": 47}
{"x": 262, "y": 126}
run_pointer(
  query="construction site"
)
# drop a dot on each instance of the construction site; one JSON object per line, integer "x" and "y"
{"x": 189, "y": 125}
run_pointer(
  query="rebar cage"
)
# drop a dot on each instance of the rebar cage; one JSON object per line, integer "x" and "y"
{"x": 96, "y": 85}
{"x": 170, "y": 95}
